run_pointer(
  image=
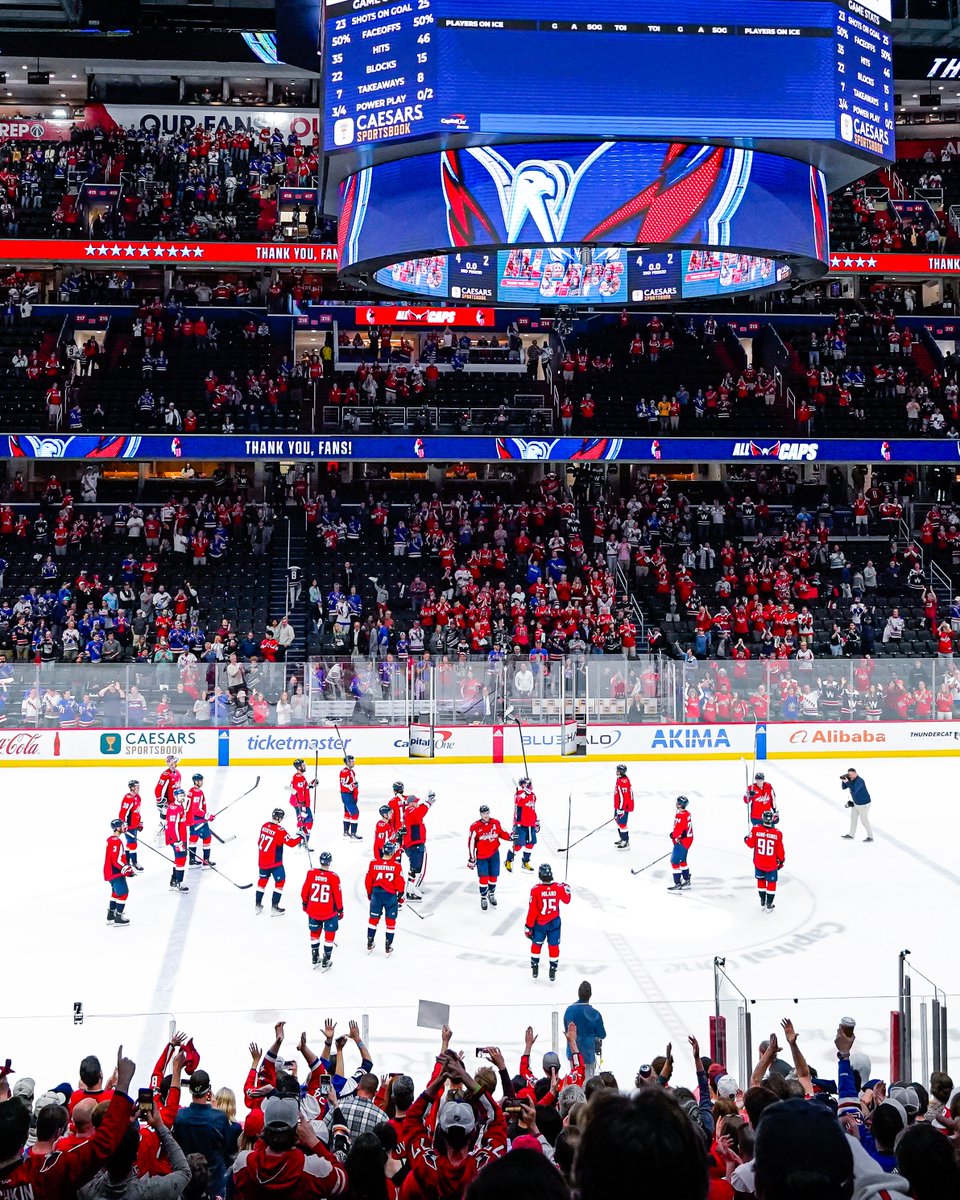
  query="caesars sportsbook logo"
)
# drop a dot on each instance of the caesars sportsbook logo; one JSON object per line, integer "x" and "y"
{"x": 110, "y": 743}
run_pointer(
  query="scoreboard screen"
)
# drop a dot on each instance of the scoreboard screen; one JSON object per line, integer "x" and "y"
{"x": 818, "y": 70}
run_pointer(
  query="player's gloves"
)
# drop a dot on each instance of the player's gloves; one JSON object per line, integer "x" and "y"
{"x": 849, "y": 804}
{"x": 746, "y": 841}
{"x": 537, "y": 827}
{"x": 471, "y": 864}
{"x": 340, "y": 914}
{"x": 304, "y": 907}
{"x": 528, "y": 931}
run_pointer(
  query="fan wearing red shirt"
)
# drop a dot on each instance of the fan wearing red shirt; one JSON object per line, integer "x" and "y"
{"x": 322, "y": 900}
{"x": 273, "y": 837}
{"x": 766, "y": 842}
{"x": 543, "y": 920}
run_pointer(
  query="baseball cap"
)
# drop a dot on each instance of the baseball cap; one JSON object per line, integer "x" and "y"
{"x": 47, "y": 1099}
{"x": 715, "y": 1070}
{"x": 24, "y": 1088}
{"x": 526, "y": 1141}
{"x": 199, "y": 1083}
{"x": 895, "y": 1104}
{"x": 551, "y": 1062}
{"x": 907, "y": 1096}
{"x": 727, "y": 1087}
{"x": 280, "y": 1111}
{"x": 645, "y": 1071}
{"x": 455, "y": 1114}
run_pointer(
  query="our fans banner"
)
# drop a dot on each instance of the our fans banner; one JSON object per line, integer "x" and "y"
{"x": 122, "y": 253}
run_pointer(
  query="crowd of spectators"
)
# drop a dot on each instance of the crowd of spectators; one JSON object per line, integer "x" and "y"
{"x": 562, "y": 1128}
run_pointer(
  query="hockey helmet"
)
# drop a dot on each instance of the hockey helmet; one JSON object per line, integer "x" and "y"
{"x": 545, "y": 873}
{"x": 116, "y": 825}
{"x": 198, "y": 778}
{"x": 277, "y": 814}
{"x": 325, "y": 859}
{"x": 398, "y": 788}
{"x": 386, "y": 811}
{"x": 525, "y": 782}
{"x": 389, "y": 849}
{"x": 178, "y": 793}
{"x": 172, "y": 760}
{"x": 682, "y": 802}
{"x": 299, "y": 764}
{"x": 484, "y": 810}
{"x": 759, "y": 777}
{"x": 131, "y": 784}
{"x": 769, "y": 818}
{"x": 349, "y": 760}
{"x": 621, "y": 768}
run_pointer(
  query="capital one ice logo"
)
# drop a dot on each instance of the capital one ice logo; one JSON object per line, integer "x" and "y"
{"x": 542, "y": 189}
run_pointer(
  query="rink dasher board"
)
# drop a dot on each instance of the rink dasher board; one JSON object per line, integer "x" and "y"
{"x": 472, "y": 745}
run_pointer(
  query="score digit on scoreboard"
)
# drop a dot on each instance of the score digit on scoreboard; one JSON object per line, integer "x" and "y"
{"x": 380, "y": 81}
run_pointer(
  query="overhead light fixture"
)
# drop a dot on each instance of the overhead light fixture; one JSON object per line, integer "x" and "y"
{"x": 59, "y": 114}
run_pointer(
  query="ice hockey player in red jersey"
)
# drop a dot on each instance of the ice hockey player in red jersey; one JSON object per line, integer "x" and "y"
{"x": 483, "y": 848}
{"x": 322, "y": 899}
{"x": 300, "y": 798}
{"x": 116, "y": 871}
{"x": 761, "y": 798}
{"x": 132, "y": 820}
{"x": 682, "y": 837}
{"x": 622, "y": 806}
{"x": 349, "y": 798}
{"x": 387, "y": 830}
{"x": 543, "y": 919}
{"x": 766, "y": 842}
{"x": 169, "y": 779}
{"x": 273, "y": 837}
{"x": 384, "y": 887}
{"x": 415, "y": 841}
{"x": 525, "y": 824}
{"x": 198, "y": 822}
{"x": 175, "y": 835}
{"x": 397, "y": 803}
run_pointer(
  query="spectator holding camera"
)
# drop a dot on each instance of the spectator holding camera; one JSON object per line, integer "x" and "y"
{"x": 858, "y": 803}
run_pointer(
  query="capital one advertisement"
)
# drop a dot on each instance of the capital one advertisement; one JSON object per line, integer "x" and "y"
{"x": 553, "y": 194}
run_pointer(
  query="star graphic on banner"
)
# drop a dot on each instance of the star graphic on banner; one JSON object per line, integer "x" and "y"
{"x": 115, "y": 251}
{"x": 144, "y": 251}
{"x": 89, "y": 250}
{"x": 198, "y": 252}
{"x": 129, "y": 251}
{"x": 172, "y": 252}
{"x": 871, "y": 262}
{"x": 835, "y": 261}
{"x": 102, "y": 251}
{"x": 861, "y": 262}
{"x": 848, "y": 261}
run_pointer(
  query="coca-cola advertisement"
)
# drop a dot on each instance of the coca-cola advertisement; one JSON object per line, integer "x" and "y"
{"x": 27, "y": 744}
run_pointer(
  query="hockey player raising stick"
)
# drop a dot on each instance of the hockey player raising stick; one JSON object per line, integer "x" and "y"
{"x": 525, "y": 824}
{"x": 322, "y": 899}
{"x": 543, "y": 919}
{"x": 761, "y": 798}
{"x": 300, "y": 799}
{"x": 349, "y": 798}
{"x": 622, "y": 806}
{"x": 483, "y": 846}
{"x": 766, "y": 842}
{"x": 415, "y": 841}
{"x": 270, "y": 844}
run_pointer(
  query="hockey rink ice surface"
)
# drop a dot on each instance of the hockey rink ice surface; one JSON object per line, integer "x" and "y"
{"x": 207, "y": 962}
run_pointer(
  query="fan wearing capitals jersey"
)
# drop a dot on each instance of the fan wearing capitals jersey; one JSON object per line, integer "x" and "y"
{"x": 132, "y": 821}
{"x": 384, "y": 887}
{"x": 483, "y": 844}
{"x": 322, "y": 900}
{"x": 349, "y": 797}
{"x": 273, "y": 837}
{"x": 766, "y": 842}
{"x": 682, "y": 838}
{"x": 300, "y": 798}
{"x": 525, "y": 824}
{"x": 622, "y": 806}
{"x": 761, "y": 799}
{"x": 543, "y": 920}
{"x": 116, "y": 871}
{"x": 198, "y": 822}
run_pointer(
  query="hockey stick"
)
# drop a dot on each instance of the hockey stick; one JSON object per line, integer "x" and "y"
{"x": 566, "y": 865}
{"x": 239, "y": 798}
{"x": 565, "y": 849}
{"x": 508, "y": 716}
{"x": 240, "y": 886}
{"x": 343, "y": 745}
{"x": 416, "y": 912}
{"x": 638, "y": 870}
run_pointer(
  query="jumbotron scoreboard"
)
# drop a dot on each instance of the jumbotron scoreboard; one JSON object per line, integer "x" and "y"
{"x": 615, "y": 151}
{"x": 771, "y": 69}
